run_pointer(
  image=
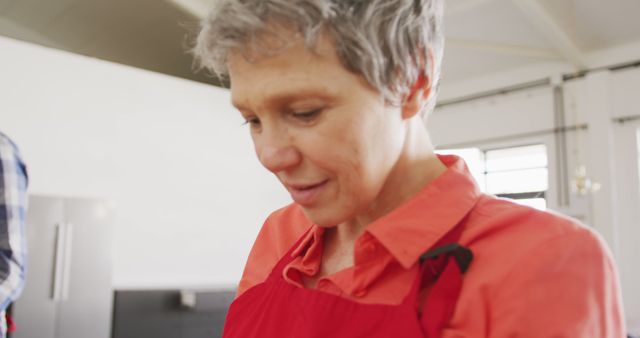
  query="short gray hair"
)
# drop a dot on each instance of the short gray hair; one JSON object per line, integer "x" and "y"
{"x": 389, "y": 42}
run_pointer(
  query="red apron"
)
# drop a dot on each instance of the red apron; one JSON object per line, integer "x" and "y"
{"x": 278, "y": 309}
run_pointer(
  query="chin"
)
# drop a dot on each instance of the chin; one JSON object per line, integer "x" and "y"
{"x": 322, "y": 217}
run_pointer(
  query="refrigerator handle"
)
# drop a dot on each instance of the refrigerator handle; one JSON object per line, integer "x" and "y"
{"x": 66, "y": 270}
{"x": 58, "y": 261}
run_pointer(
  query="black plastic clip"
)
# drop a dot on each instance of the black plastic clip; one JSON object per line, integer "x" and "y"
{"x": 463, "y": 255}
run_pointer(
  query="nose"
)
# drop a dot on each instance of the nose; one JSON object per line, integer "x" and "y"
{"x": 277, "y": 152}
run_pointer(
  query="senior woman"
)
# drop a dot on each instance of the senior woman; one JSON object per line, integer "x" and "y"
{"x": 385, "y": 238}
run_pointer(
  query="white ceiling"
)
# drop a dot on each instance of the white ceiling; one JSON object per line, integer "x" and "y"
{"x": 484, "y": 37}
{"x": 489, "y": 36}
{"x": 148, "y": 34}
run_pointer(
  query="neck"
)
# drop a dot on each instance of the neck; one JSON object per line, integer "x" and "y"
{"x": 416, "y": 167}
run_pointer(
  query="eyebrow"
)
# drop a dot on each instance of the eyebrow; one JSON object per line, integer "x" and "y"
{"x": 280, "y": 98}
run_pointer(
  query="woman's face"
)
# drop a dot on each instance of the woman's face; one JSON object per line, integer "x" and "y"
{"x": 325, "y": 133}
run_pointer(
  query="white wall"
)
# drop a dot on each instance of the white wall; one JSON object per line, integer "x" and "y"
{"x": 171, "y": 154}
{"x": 518, "y": 112}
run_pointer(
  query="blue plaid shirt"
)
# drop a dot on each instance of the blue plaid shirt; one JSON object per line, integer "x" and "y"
{"x": 13, "y": 205}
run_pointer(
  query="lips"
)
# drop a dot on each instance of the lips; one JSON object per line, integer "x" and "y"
{"x": 306, "y": 194}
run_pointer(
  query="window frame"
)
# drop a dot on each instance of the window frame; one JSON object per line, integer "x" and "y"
{"x": 548, "y": 140}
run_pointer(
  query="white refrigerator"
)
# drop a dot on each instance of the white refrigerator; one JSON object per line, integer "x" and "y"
{"x": 68, "y": 292}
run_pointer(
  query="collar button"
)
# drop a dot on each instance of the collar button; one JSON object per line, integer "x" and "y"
{"x": 360, "y": 293}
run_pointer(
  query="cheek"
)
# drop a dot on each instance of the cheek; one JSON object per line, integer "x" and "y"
{"x": 256, "y": 145}
{"x": 353, "y": 149}
{"x": 355, "y": 161}
{"x": 371, "y": 151}
{"x": 342, "y": 149}
{"x": 258, "y": 148}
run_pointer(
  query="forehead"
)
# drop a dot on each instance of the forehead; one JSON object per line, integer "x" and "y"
{"x": 288, "y": 70}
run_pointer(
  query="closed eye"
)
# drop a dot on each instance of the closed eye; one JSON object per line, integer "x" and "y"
{"x": 253, "y": 122}
{"x": 307, "y": 116}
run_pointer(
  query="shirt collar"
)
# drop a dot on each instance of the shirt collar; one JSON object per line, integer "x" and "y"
{"x": 415, "y": 226}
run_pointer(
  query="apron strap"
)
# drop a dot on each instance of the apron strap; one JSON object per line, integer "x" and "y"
{"x": 442, "y": 267}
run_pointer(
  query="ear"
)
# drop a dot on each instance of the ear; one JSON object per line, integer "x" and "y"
{"x": 420, "y": 92}
{"x": 418, "y": 97}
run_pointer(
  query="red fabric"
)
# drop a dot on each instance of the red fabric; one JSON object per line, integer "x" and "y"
{"x": 385, "y": 256}
{"x": 446, "y": 277}
{"x": 525, "y": 259}
{"x": 276, "y": 308}
{"x": 11, "y": 326}
{"x": 442, "y": 299}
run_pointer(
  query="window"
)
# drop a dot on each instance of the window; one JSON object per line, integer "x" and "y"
{"x": 519, "y": 173}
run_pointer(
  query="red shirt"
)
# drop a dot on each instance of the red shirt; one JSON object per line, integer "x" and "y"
{"x": 534, "y": 273}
